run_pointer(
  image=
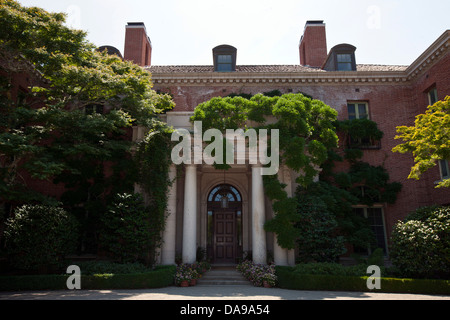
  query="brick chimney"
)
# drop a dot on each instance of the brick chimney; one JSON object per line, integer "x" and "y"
{"x": 138, "y": 47}
{"x": 313, "y": 44}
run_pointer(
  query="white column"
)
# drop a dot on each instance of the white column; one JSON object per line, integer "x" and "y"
{"x": 280, "y": 255}
{"x": 288, "y": 181}
{"x": 258, "y": 217}
{"x": 169, "y": 235}
{"x": 190, "y": 215}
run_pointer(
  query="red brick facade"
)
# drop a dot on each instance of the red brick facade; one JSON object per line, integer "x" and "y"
{"x": 395, "y": 96}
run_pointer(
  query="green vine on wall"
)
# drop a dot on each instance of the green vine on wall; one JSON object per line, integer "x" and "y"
{"x": 306, "y": 128}
{"x": 153, "y": 161}
{"x": 308, "y": 141}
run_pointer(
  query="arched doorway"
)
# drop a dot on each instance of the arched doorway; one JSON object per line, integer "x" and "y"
{"x": 224, "y": 224}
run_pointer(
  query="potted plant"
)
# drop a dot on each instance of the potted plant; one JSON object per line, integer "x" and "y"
{"x": 269, "y": 280}
{"x": 194, "y": 276}
{"x": 183, "y": 276}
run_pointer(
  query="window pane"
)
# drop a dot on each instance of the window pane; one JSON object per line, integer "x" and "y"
{"x": 351, "y": 112}
{"x": 444, "y": 169}
{"x": 344, "y": 58}
{"x": 433, "y": 96}
{"x": 224, "y": 59}
{"x": 224, "y": 67}
{"x": 375, "y": 217}
{"x": 344, "y": 66}
{"x": 362, "y": 110}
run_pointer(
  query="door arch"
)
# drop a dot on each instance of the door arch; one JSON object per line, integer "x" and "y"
{"x": 224, "y": 224}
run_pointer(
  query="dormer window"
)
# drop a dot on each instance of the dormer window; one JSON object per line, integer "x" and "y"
{"x": 224, "y": 58}
{"x": 341, "y": 58}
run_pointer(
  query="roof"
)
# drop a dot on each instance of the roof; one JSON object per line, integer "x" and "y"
{"x": 267, "y": 69}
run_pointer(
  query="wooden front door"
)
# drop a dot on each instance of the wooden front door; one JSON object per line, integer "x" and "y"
{"x": 224, "y": 237}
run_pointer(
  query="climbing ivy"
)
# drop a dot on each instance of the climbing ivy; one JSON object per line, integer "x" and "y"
{"x": 153, "y": 161}
{"x": 306, "y": 132}
{"x": 308, "y": 144}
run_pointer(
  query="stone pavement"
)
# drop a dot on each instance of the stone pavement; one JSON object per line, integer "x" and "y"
{"x": 230, "y": 292}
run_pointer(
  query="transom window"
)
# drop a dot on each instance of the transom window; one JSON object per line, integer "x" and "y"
{"x": 358, "y": 110}
{"x": 223, "y": 193}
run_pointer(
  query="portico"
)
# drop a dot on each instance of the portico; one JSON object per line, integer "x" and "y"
{"x": 222, "y": 212}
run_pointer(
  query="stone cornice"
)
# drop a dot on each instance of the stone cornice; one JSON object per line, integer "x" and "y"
{"x": 199, "y": 79}
{"x": 437, "y": 50}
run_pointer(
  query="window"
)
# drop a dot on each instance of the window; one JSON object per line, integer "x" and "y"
{"x": 93, "y": 109}
{"x": 341, "y": 58}
{"x": 224, "y": 63}
{"x": 358, "y": 110}
{"x": 432, "y": 96}
{"x": 224, "y": 58}
{"x": 444, "y": 169}
{"x": 375, "y": 219}
{"x": 344, "y": 62}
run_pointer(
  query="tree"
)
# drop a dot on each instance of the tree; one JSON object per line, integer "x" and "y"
{"x": 87, "y": 101}
{"x": 428, "y": 140}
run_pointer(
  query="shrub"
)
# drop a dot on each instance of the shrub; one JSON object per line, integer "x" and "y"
{"x": 161, "y": 277}
{"x": 39, "y": 237}
{"x": 106, "y": 267}
{"x": 334, "y": 269}
{"x": 288, "y": 279}
{"x": 420, "y": 245}
{"x": 127, "y": 234}
{"x": 318, "y": 239}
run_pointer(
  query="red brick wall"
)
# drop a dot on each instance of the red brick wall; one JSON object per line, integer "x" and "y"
{"x": 390, "y": 105}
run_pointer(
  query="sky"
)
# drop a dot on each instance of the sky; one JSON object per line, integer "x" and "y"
{"x": 265, "y": 32}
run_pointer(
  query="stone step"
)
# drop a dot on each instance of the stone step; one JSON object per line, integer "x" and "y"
{"x": 222, "y": 277}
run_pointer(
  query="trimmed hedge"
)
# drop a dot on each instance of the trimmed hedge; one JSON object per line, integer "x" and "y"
{"x": 161, "y": 277}
{"x": 288, "y": 279}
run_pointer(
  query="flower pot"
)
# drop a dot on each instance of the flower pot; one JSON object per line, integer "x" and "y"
{"x": 266, "y": 284}
{"x": 184, "y": 283}
{"x": 193, "y": 282}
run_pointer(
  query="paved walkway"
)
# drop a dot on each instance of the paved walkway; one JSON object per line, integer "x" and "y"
{"x": 211, "y": 293}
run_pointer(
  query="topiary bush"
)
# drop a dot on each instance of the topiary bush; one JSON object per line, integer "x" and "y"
{"x": 318, "y": 239}
{"x": 127, "y": 233}
{"x": 38, "y": 237}
{"x": 420, "y": 245}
